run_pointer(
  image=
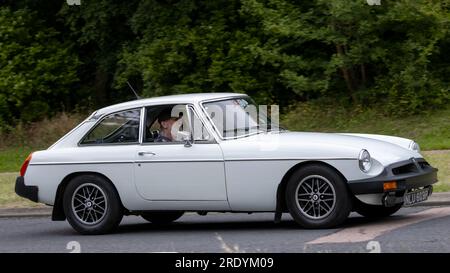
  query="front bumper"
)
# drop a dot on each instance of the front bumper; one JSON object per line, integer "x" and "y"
{"x": 422, "y": 175}
{"x": 29, "y": 192}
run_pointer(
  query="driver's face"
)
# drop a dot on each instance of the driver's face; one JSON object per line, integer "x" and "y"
{"x": 167, "y": 124}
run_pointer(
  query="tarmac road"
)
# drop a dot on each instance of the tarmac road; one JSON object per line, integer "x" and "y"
{"x": 417, "y": 229}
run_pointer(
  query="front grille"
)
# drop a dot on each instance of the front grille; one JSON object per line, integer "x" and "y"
{"x": 408, "y": 168}
{"x": 424, "y": 164}
{"x": 411, "y": 168}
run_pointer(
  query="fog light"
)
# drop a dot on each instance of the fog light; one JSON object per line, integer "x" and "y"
{"x": 389, "y": 186}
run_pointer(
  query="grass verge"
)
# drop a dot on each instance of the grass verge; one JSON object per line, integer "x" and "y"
{"x": 11, "y": 159}
{"x": 16, "y": 143}
{"x": 440, "y": 159}
{"x": 8, "y": 198}
{"x": 430, "y": 129}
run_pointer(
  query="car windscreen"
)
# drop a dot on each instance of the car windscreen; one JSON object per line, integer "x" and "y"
{"x": 238, "y": 117}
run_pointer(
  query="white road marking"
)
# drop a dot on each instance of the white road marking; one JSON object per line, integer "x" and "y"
{"x": 367, "y": 232}
{"x": 225, "y": 246}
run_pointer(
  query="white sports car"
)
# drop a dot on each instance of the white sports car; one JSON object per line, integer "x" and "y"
{"x": 161, "y": 157}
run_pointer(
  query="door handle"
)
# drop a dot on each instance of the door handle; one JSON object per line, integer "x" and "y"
{"x": 146, "y": 153}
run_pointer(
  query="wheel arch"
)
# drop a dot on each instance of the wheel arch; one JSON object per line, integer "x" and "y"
{"x": 58, "y": 210}
{"x": 281, "y": 189}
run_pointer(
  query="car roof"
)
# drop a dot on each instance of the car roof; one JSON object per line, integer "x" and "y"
{"x": 172, "y": 99}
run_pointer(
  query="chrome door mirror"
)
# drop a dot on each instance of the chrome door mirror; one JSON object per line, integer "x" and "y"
{"x": 186, "y": 138}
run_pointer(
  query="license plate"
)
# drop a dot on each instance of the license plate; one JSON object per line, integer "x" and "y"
{"x": 414, "y": 197}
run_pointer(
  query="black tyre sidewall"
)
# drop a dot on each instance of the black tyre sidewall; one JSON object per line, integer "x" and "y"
{"x": 343, "y": 204}
{"x": 114, "y": 210}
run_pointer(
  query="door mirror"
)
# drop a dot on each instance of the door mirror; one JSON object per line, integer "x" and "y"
{"x": 186, "y": 138}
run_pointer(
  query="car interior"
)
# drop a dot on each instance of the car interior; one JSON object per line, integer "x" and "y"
{"x": 152, "y": 126}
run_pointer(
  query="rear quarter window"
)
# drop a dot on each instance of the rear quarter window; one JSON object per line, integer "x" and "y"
{"x": 120, "y": 127}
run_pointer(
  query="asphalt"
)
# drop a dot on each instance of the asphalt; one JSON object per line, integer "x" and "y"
{"x": 436, "y": 199}
{"x": 414, "y": 229}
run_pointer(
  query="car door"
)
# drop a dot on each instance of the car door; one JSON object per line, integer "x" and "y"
{"x": 174, "y": 171}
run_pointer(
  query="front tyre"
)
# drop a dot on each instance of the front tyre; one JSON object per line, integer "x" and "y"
{"x": 92, "y": 205}
{"x": 317, "y": 197}
{"x": 162, "y": 217}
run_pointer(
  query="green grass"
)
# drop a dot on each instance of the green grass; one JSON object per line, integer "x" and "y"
{"x": 440, "y": 160}
{"x": 430, "y": 129}
{"x": 8, "y": 198}
{"x": 11, "y": 159}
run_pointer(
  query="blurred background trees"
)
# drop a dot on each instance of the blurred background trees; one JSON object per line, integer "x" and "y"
{"x": 55, "y": 57}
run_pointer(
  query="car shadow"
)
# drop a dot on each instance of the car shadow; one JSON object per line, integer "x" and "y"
{"x": 243, "y": 225}
{"x": 200, "y": 224}
{"x": 206, "y": 226}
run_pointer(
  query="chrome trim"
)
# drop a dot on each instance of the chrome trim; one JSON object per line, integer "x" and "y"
{"x": 178, "y": 160}
{"x": 360, "y": 162}
{"x": 238, "y": 95}
{"x": 213, "y": 141}
{"x": 188, "y": 160}
{"x": 141, "y": 125}
{"x": 81, "y": 163}
{"x": 108, "y": 144}
{"x": 142, "y": 153}
{"x": 284, "y": 159}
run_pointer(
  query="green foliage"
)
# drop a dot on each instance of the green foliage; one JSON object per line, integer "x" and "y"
{"x": 36, "y": 69}
{"x": 187, "y": 47}
{"x": 278, "y": 51}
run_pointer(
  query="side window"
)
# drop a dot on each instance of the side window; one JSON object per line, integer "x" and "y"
{"x": 169, "y": 123}
{"x": 120, "y": 127}
{"x": 200, "y": 132}
{"x": 164, "y": 123}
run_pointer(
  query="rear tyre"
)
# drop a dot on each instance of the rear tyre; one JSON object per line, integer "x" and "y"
{"x": 374, "y": 211}
{"x": 317, "y": 197}
{"x": 162, "y": 217}
{"x": 92, "y": 205}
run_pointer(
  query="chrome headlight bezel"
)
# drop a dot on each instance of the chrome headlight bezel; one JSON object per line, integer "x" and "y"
{"x": 364, "y": 161}
{"x": 414, "y": 146}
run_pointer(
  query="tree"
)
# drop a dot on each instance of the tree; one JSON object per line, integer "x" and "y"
{"x": 36, "y": 69}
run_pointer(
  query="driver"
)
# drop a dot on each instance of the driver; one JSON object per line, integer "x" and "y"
{"x": 166, "y": 122}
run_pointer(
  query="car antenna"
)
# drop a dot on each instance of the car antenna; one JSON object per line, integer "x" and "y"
{"x": 132, "y": 89}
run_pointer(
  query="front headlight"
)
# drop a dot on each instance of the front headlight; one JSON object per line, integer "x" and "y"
{"x": 414, "y": 146}
{"x": 365, "y": 162}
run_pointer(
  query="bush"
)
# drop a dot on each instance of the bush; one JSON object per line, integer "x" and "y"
{"x": 40, "y": 134}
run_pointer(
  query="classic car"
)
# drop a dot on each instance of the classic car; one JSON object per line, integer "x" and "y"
{"x": 161, "y": 157}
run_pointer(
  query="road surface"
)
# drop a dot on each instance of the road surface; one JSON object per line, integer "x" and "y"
{"x": 418, "y": 229}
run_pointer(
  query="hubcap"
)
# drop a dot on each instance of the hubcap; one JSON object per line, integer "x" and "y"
{"x": 89, "y": 204}
{"x": 316, "y": 197}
